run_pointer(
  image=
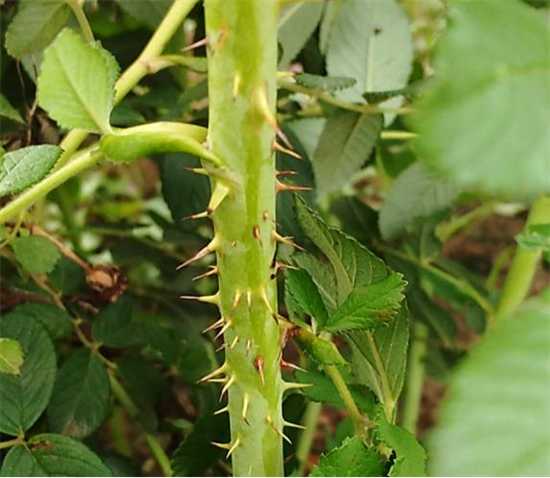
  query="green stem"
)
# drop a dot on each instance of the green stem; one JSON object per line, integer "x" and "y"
{"x": 131, "y": 408}
{"x": 446, "y": 230}
{"x": 78, "y": 11}
{"x": 415, "y": 377}
{"x": 242, "y": 67}
{"x": 83, "y": 161}
{"x": 137, "y": 70}
{"x": 321, "y": 95}
{"x": 309, "y": 422}
{"x": 359, "y": 422}
{"x": 524, "y": 264}
{"x": 10, "y": 443}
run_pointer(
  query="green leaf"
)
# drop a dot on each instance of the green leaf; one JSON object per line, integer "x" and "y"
{"x": 53, "y": 455}
{"x": 11, "y": 357}
{"x": 148, "y": 12}
{"x": 410, "y": 459}
{"x": 76, "y": 85}
{"x": 380, "y": 358}
{"x": 325, "y": 83}
{"x": 416, "y": 193}
{"x": 297, "y": 23}
{"x": 323, "y": 390}
{"x": 301, "y": 287}
{"x": 80, "y": 397}
{"x": 24, "y": 167}
{"x": 483, "y": 119}
{"x": 56, "y": 321}
{"x": 25, "y": 396}
{"x": 36, "y": 254}
{"x": 8, "y": 111}
{"x": 35, "y": 26}
{"x": 503, "y": 388}
{"x": 321, "y": 350}
{"x": 370, "y": 306}
{"x": 114, "y": 325}
{"x": 353, "y": 458}
{"x": 535, "y": 238}
{"x": 371, "y": 42}
{"x": 153, "y": 138}
{"x": 308, "y": 131}
{"x": 353, "y": 264}
{"x": 347, "y": 141}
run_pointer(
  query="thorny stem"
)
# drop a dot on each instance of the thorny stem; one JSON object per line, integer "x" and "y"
{"x": 415, "y": 377}
{"x": 327, "y": 98}
{"x": 524, "y": 264}
{"x": 359, "y": 422}
{"x": 303, "y": 449}
{"x": 137, "y": 70}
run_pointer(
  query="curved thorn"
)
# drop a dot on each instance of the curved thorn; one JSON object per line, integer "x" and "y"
{"x": 210, "y": 247}
{"x": 215, "y": 325}
{"x": 248, "y": 346}
{"x": 199, "y": 215}
{"x": 259, "y": 366}
{"x": 215, "y": 373}
{"x": 236, "y": 85}
{"x": 208, "y": 299}
{"x": 213, "y": 270}
{"x": 293, "y": 425}
{"x": 197, "y": 44}
{"x": 279, "y": 432}
{"x": 246, "y": 402}
{"x": 282, "y": 187}
{"x": 234, "y": 342}
{"x": 223, "y": 329}
{"x": 222, "y": 410}
{"x": 249, "y": 298}
{"x": 201, "y": 171}
{"x": 236, "y": 300}
{"x": 218, "y": 195}
{"x": 225, "y": 388}
{"x": 223, "y": 446}
{"x": 233, "y": 448}
{"x": 284, "y": 363}
{"x": 285, "y": 240}
{"x": 292, "y": 385}
{"x": 221, "y": 347}
{"x": 284, "y": 150}
{"x": 286, "y": 173}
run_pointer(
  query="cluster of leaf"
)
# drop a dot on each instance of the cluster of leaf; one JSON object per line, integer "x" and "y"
{"x": 100, "y": 377}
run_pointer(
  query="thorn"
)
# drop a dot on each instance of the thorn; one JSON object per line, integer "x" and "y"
{"x": 259, "y": 366}
{"x": 197, "y": 44}
{"x": 249, "y": 298}
{"x": 292, "y": 385}
{"x": 263, "y": 106}
{"x": 217, "y": 380}
{"x": 212, "y": 271}
{"x": 236, "y": 300}
{"x": 221, "y": 347}
{"x": 201, "y": 171}
{"x": 199, "y": 215}
{"x": 289, "y": 151}
{"x": 286, "y": 173}
{"x": 293, "y": 425}
{"x": 211, "y": 247}
{"x": 223, "y": 329}
{"x": 234, "y": 342}
{"x": 246, "y": 402}
{"x": 286, "y": 240}
{"x": 265, "y": 216}
{"x": 279, "y": 432}
{"x": 248, "y": 346}
{"x": 223, "y": 410}
{"x": 265, "y": 300}
{"x": 236, "y": 85}
{"x": 256, "y": 234}
{"x": 232, "y": 449}
{"x": 218, "y": 195}
{"x": 215, "y": 373}
{"x": 215, "y": 325}
{"x": 208, "y": 299}
{"x": 227, "y": 385}
{"x": 284, "y": 363}
{"x": 282, "y": 187}
{"x": 280, "y": 265}
{"x": 223, "y": 446}
{"x": 233, "y": 243}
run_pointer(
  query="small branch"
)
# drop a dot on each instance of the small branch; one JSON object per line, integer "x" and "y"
{"x": 524, "y": 265}
{"x": 11, "y": 443}
{"x": 303, "y": 448}
{"x": 450, "y": 228}
{"x": 78, "y": 11}
{"x": 415, "y": 377}
{"x": 359, "y": 422}
{"x": 321, "y": 95}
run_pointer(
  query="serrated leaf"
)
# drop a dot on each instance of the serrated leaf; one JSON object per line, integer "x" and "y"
{"x": 301, "y": 287}
{"x": 76, "y": 85}
{"x": 297, "y": 23}
{"x": 25, "y": 396}
{"x": 416, "y": 193}
{"x": 368, "y": 307}
{"x": 35, "y": 25}
{"x": 36, "y": 254}
{"x": 353, "y": 458}
{"x": 321, "y": 350}
{"x": 8, "y": 111}
{"x": 148, "y": 12}
{"x": 346, "y": 142}
{"x": 409, "y": 91}
{"x": 380, "y": 358}
{"x": 80, "y": 397}
{"x": 56, "y": 321}
{"x": 535, "y": 238}
{"x": 502, "y": 385}
{"x": 154, "y": 138}
{"x": 503, "y": 83}
{"x": 24, "y": 167}
{"x": 53, "y": 455}
{"x": 410, "y": 457}
{"x": 371, "y": 42}
{"x": 325, "y": 83}
{"x": 308, "y": 131}
{"x": 114, "y": 325}
{"x": 11, "y": 357}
